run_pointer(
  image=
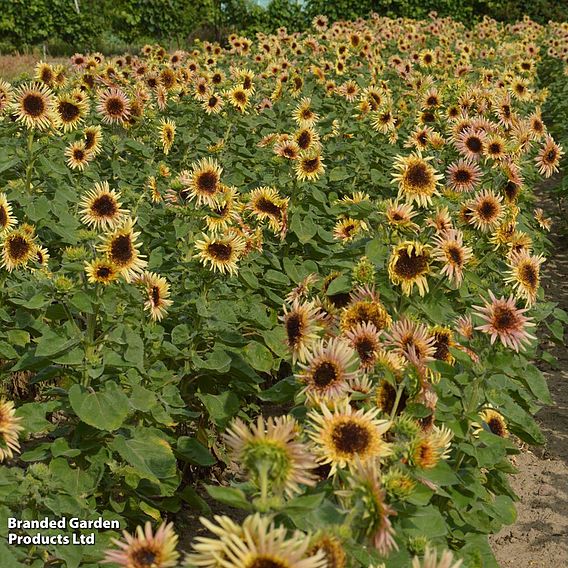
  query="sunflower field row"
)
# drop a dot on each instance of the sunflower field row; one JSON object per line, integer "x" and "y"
{"x": 289, "y": 285}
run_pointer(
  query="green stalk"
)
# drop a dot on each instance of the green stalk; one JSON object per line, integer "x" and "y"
{"x": 31, "y": 160}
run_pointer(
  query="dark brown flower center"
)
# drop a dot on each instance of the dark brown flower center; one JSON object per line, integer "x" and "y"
{"x": 240, "y": 97}
{"x": 33, "y": 105}
{"x": 79, "y": 154}
{"x": 90, "y": 139}
{"x": 103, "y": 272}
{"x": 18, "y": 247}
{"x": 310, "y": 165}
{"x": 529, "y": 275}
{"x": 207, "y": 182}
{"x": 418, "y": 176}
{"x": 304, "y": 139}
{"x": 496, "y": 426}
{"x": 410, "y": 265}
{"x": 266, "y": 562}
{"x": 494, "y": 148}
{"x": 3, "y": 216}
{"x": 68, "y": 111}
{"x": 155, "y": 295}
{"x": 365, "y": 347}
{"x": 504, "y": 319}
{"x": 121, "y": 250}
{"x": 462, "y": 176}
{"x": 104, "y": 206}
{"x": 456, "y": 255}
{"x": 220, "y": 251}
{"x": 114, "y": 107}
{"x": 511, "y": 190}
{"x": 294, "y": 325}
{"x": 350, "y": 438}
{"x": 266, "y": 206}
{"x": 487, "y": 210}
{"x": 325, "y": 374}
{"x": 474, "y": 144}
{"x": 143, "y": 558}
{"x": 550, "y": 156}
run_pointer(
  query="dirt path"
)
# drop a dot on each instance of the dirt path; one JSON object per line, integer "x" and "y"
{"x": 539, "y": 538}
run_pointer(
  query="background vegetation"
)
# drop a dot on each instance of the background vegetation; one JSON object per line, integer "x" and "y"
{"x": 113, "y": 26}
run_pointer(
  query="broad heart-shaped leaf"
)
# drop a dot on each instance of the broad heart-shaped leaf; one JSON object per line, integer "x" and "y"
{"x": 151, "y": 456}
{"x": 105, "y": 409}
{"x": 192, "y": 451}
{"x": 221, "y": 407}
{"x": 259, "y": 356}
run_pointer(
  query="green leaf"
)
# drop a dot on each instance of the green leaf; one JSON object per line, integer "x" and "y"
{"x": 51, "y": 343}
{"x": 282, "y": 391}
{"x": 221, "y": 407}
{"x": 18, "y": 337}
{"x": 229, "y": 496}
{"x": 258, "y": 356}
{"x": 339, "y": 285}
{"x": 142, "y": 399}
{"x": 192, "y": 451}
{"x": 151, "y": 456}
{"x": 105, "y": 410}
{"x": 304, "y": 503}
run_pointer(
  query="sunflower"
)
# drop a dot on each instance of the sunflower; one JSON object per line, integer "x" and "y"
{"x": 364, "y": 310}
{"x": 524, "y": 274}
{"x": 101, "y": 207}
{"x": 287, "y": 149}
{"x": 494, "y": 421}
{"x": 383, "y": 120}
{"x": 495, "y": 147}
{"x": 18, "y": 248}
{"x": 430, "y": 560}
{"x": 77, "y": 156}
{"x": 471, "y": 143}
{"x": 346, "y": 229}
{"x": 101, "y": 271}
{"x": 303, "y": 113}
{"x": 272, "y": 449}
{"x": 429, "y": 448}
{"x": 34, "y": 105}
{"x": 7, "y": 219}
{"x": 225, "y": 212}
{"x": 121, "y": 250}
{"x": 443, "y": 340}
{"x": 167, "y": 134}
{"x": 410, "y": 338}
{"x": 486, "y": 210}
{"x": 6, "y": 94}
{"x": 309, "y": 167}
{"x": 416, "y": 179}
{"x": 44, "y": 73}
{"x": 400, "y": 215}
{"x": 463, "y": 175}
{"x": 157, "y": 293}
{"x": 364, "y": 338}
{"x": 502, "y": 319}
{"x": 93, "y": 137}
{"x": 306, "y": 138}
{"x": 144, "y": 549}
{"x": 326, "y": 371}
{"x": 266, "y": 204}
{"x": 366, "y": 496}
{"x": 451, "y": 251}
{"x": 9, "y": 430}
{"x": 409, "y": 265}
{"x": 71, "y": 111}
{"x": 332, "y": 548}
{"x": 342, "y": 435}
{"x": 114, "y": 106}
{"x": 543, "y": 222}
{"x": 301, "y": 323}
{"x": 204, "y": 182}
{"x": 213, "y": 103}
{"x": 222, "y": 252}
{"x": 239, "y": 98}
{"x": 548, "y": 157}
{"x": 258, "y": 544}
{"x": 537, "y": 127}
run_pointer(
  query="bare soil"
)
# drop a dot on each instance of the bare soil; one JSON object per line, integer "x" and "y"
{"x": 539, "y": 538}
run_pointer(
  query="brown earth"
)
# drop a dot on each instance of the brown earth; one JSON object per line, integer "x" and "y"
{"x": 539, "y": 538}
